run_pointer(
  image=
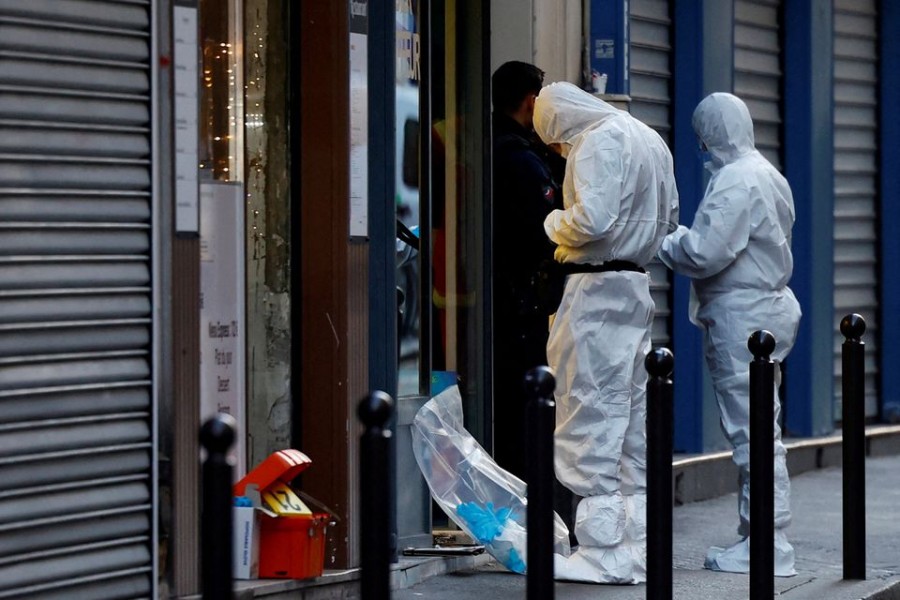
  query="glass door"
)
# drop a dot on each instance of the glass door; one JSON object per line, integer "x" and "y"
{"x": 460, "y": 210}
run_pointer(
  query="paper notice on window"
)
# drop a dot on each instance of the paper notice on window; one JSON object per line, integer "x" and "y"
{"x": 222, "y": 299}
{"x": 187, "y": 215}
{"x": 359, "y": 137}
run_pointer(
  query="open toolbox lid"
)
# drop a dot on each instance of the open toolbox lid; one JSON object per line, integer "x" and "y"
{"x": 280, "y": 467}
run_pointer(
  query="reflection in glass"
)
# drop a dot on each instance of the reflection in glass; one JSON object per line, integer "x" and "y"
{"x": 407, "y": 196}
{"x": 268, "y": 217}
{"x": 221, "y": 97}
{"x": 458, "y": 219}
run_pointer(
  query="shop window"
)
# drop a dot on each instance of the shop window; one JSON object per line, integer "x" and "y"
{"x": 460, "y": 222}
{"x": 245, "y": 181}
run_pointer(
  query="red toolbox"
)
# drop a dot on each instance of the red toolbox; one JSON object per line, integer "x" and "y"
{"x": 292, "y": 536}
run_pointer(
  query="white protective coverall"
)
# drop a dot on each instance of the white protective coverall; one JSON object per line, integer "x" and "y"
{"x": 619, "y": 200}
{"x": 738, "y": 253}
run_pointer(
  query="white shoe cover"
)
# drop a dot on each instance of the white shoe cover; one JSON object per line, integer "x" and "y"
{"x": 736, "y": 559}
{"x": 600, "y": 521}
{"x": 623, "y": 564}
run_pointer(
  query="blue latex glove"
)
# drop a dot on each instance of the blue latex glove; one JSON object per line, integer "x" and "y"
{"x": 515, "y": 563}
{"x": 484, "y": 522}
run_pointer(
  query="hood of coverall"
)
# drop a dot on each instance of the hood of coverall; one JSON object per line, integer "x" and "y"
{"x": 564, "y": 111}
{"x": 722, "y": 122}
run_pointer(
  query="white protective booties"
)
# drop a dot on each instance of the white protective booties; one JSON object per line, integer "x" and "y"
{"x": 612, "y": 533}
{"x": 623, "y": 564}
{"x": 736, "y": 559}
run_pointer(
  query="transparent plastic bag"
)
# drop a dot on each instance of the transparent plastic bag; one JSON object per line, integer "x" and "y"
{"x": 486, "y": 501}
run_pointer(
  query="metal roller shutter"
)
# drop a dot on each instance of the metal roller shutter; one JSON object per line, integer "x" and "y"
{"x": 855, "y": 182}
{"x": 651, "y": 102}
{"x": 757, "y": 70}
{"x": 76, "y": 400}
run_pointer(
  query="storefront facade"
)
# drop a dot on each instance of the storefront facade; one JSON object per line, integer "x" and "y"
{"x": 200, "y": 204}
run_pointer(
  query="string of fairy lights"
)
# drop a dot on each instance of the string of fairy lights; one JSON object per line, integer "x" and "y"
{"x": 226, "y": 143}
{"x": 254, "y": 124}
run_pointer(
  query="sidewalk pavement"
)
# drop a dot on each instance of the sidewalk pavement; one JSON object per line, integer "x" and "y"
{"x": 815, "y": 534}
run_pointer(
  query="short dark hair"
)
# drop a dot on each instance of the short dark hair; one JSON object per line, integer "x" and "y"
{"x": 512, "y": 82}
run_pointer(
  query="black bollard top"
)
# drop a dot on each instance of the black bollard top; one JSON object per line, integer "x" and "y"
{"x": 540, "y": 382}
{"x": 853, "y": 327}
{"x": 761, "y": 344}
{"x": 660, "y": 362}
{"x": 375, "y": 409}
{"x": 217, "y": 433}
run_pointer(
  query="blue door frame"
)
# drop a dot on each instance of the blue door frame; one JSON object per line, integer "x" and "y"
{"x": 889, "y": 195}
{"x": 809, "y": 168}
{"x": 703, "y": 63}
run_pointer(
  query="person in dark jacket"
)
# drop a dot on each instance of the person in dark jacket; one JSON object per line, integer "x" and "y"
{"x": 525, "y": 191}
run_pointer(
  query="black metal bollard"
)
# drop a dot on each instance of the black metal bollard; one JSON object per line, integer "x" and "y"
{"x": 216, "y": 523}
{"x": 375, "y": 411}
{"x": 762, "y": 466}
{"x": 660, "y": 495}
{"x": 854, "y": 445}
{"x": 539, "y": 385}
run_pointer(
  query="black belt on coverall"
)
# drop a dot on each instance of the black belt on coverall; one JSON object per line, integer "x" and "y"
{"x": 551, "y": 279}
{"x": 612, "y": 265}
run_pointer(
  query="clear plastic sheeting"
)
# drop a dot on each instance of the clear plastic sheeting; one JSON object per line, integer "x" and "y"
{"x": 485, "y": 501}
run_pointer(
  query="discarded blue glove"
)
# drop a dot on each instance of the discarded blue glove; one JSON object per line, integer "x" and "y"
{"x": 514, "y": 562}
{"x": 484, "y": 523}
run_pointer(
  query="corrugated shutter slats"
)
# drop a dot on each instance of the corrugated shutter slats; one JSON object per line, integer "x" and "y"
{"x": 132, "y": 16}
{"x": 757, "y": 70}
{"x": 855, "y": 182}
{"x": 651, "y": 49}
{"x": 91, "y": 527}
{"x": 46, "y": 138}
{"x": 78, "y": 464}
{"x": 76, "y": 439}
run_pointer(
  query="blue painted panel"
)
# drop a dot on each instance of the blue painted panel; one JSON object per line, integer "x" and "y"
{"x": 381, "y": 66}
{"x": 809, "y": 151}
{"x": 890, "y": 207}
{"x": 688, "y": 91}
{"x": 704, "y": 49}
{"x": 609, "y": 43}
{"x": 382, "y": 351}
{"x": 718, "y": 76}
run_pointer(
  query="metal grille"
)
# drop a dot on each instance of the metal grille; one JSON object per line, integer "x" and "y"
{"x": 75, "y": 299}
{"x": 651, "y": 102}
{"x": 757, "y": 70}
{"x": 855, "y": 177}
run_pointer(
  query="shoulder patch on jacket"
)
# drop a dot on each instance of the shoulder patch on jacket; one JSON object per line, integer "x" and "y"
{"x": 549, "y": 194}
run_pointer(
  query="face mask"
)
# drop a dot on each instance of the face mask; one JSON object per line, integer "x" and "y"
{"x": 703, "y": 152}
{"x": 705, "y": 156}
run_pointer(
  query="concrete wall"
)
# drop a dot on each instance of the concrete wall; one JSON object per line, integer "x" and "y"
{"x": 512, "y": 31}
{"x": 547, "y": 33}
{"x": 558, "y": 39}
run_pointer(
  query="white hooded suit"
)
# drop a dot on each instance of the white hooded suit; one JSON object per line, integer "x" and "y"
{"x": 738, "y": 253}
{"x": 620, "y": 201}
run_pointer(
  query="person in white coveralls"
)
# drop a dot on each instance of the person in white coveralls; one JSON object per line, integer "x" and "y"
{"x": 738, "y": 254}
{"x": 620, "y": 200}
